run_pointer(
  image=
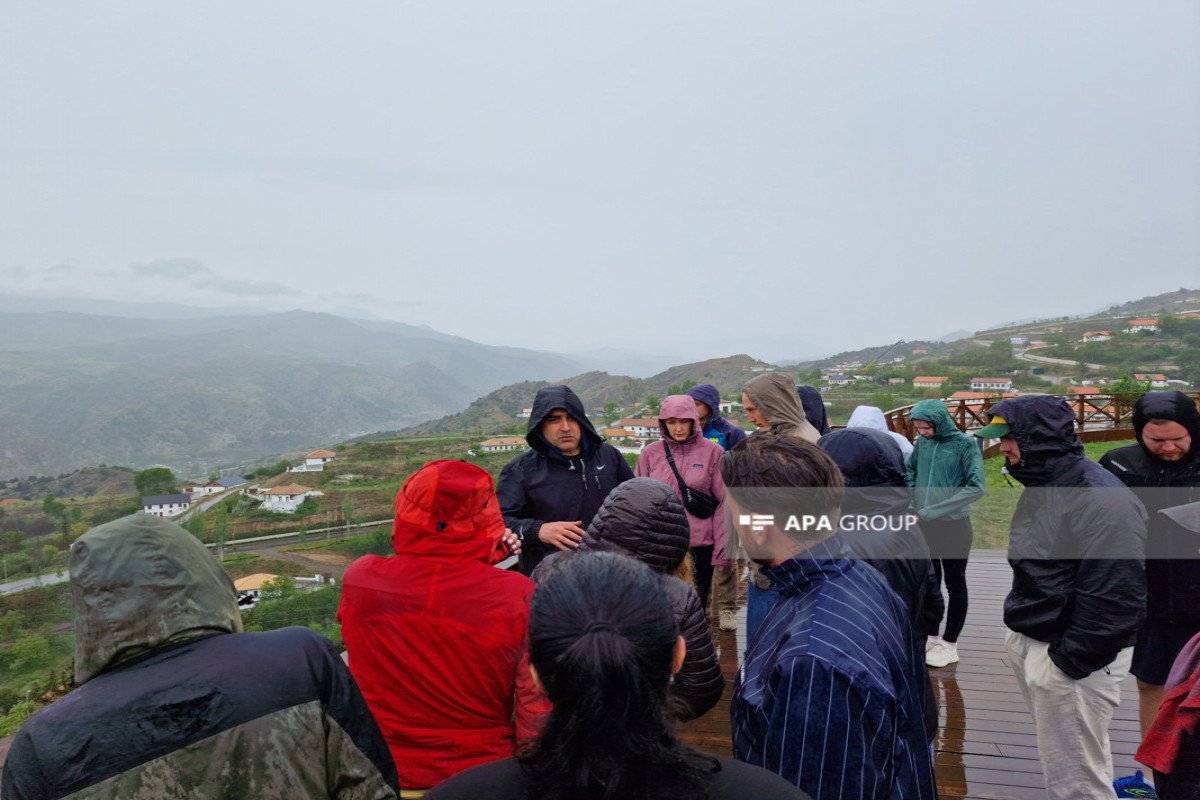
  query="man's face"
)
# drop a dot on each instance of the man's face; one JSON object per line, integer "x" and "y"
{"x": 1008, "y": 446}
{"x": 1166, "y": 440}
{"x": 923, "y": 428}
{"x": 702, "y": 410}
{"x": 561, "y": 430}
{"x": 753, "y": 415}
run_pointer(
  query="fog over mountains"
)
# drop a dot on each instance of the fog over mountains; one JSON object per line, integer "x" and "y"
{"x": 196, "y": 393}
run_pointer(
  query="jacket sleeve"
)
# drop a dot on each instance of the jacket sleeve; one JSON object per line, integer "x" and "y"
{"x": 359, "y": 764}
{"x": 642, "y": 470}
{"x": 971, "y": 484}
{"x": 531, "y": 706}
{"x": 721, "y": 555}
{"x": 847, "y": 732}
{"x": 932, "y": 606}
{"x": 699, "y": 682}
{"x": 1109, "y": 590}
{"x": 22, "y": 776}
{"x": 910, "y": 466}
{"x": 735, "y": 435}
{"x": 510, "y": 492}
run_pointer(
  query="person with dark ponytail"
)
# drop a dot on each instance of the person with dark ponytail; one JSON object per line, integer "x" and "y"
{"x": 604, "y": 643}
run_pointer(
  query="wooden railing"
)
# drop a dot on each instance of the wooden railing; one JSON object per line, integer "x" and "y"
{"x": 1098, "y": 417}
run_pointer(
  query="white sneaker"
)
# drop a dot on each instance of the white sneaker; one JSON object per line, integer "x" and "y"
{"x": 941, "y": 655}
{"x": 728, "y": 620}
{"x": 930, "y": 642}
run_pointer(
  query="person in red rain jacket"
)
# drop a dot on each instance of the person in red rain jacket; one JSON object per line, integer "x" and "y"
{"x": 436, "y": 635}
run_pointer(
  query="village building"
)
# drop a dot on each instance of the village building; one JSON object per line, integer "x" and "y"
{"x": 1142, "y": 324}
{"x": 286, "y": 499}
{"x": 1095, "y": 336}
{"x": 314, "y": 461}
{"x": 839, "y": 379}
{"x": 929, "y": 381}
{"x": 977, "y": 398}
{"x": 728, "y": 406}
{"x": 231, "y": 481}
{"x": 166, "y": 505}
{"x": 991, "y": 384}
{"x": 640, "y": 427}
{"x": 1157, "y": 379}
{"x": 616, "y": 434}
{"x": 526, "y": 413}
{"x": 212, "y": 487}
{"x": 502, "y": 443}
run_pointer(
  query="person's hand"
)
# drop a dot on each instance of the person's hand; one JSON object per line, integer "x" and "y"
{"x": 512, "y": 542}
{"x": 563, "y": 535}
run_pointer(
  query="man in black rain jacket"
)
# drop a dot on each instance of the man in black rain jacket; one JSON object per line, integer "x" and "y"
{"x": 549, "y": 494}
{"x": 1163, "y": 469}
{"x": 1078, "y": 594}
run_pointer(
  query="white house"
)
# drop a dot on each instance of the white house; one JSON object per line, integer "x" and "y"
{"x": 1157, "y": 379}
{"x": 1095, "y": 336}
{"x": 839, "y": 379}
{"x": 249, "y": 588}
{"x": 526, "y": 413}
{"x": 314, "y": 461}
{"x": 286, "y": 499}
{"x": 1144, "y": 324}
{"x": 616, "y": 434}
{"x": 727, "y": 406}
{"x": 991, "y": 384}
{"x": 211, "y": 487}
{"x": 641, "y": 427}
{"x": 502, "y": 443}
{"x": 929, "y": 381}
{"x": 166, "y": 505}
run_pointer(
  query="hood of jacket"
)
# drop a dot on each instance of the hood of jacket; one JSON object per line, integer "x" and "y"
{"x": 679, "y": 406}
{"x": 814, "y": 408}
{"x": 775, "y": 396}
{"x": 867, "y": 417}
{"x": 934, "y": 412}
{"x": 448, "y": 511}
{"x": 1044, "y": 429}
{"x": 873, "y": 466}
{"x": 140, "y": 583}
{"x": 1173, "y": 406}
{"x": 707, "y": 393}
{"x": 642, "y": 518}
{"x": 546, "y": 400}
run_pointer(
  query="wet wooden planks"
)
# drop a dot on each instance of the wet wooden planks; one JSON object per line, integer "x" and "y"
{"x": 986, "y": 746}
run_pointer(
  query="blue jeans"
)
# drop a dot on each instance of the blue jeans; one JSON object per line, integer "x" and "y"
{"x": 758, "y": 603}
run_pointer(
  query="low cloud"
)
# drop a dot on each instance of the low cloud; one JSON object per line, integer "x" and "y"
{"x": 256, "y": 288}
{"x": 170, "y": 268}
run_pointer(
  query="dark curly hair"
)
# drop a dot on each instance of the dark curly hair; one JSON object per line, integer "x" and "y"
{"x": 602, "y": 639}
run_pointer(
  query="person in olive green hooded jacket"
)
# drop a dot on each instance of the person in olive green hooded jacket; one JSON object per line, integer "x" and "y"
{"x": 945, "y": 472}
{"x": 176, "y": 702}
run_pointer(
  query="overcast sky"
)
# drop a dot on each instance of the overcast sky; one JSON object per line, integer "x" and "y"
{"x": 692, "y": 178}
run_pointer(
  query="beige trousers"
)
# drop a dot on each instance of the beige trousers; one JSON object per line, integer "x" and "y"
{"x": 725, "y": 588}
{"x": 1071, "y": 717}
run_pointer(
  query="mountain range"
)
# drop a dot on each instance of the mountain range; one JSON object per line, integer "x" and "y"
{"x": 197, "y": 393}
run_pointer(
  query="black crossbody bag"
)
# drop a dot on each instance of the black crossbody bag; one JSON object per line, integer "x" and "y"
{"x": 698, "y": 504}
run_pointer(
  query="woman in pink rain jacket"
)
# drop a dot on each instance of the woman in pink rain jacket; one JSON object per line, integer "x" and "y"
{"x": 696, "y": 458}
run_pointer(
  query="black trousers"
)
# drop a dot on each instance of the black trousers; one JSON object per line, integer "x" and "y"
{"x": 949, "y": 543}
{"x": 702, "y": 563}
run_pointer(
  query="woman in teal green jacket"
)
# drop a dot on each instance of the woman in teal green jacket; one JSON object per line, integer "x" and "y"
{"x": 945, "y": 472}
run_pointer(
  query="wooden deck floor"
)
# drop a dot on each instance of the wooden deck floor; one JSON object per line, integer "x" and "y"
{"x": 986, "y": 746}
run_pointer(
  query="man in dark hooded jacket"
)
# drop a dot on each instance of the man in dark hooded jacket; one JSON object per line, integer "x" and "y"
{"x": 176, "y": 702}
{"x": 1078, "y": 594}
{"x": 550, "y": 493}
{"x": 1163, "y": 469}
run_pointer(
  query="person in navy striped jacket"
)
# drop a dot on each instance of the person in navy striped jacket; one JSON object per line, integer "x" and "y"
{"x": 831, "y": 693}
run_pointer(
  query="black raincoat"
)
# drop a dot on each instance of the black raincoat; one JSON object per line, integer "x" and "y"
{"x": 542, "y": 485}
{"x": 1172, "y": 566}
{"x": 1077, "y": 543}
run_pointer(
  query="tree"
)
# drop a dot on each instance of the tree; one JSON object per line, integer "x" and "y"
{"x": 155, "y": 480}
